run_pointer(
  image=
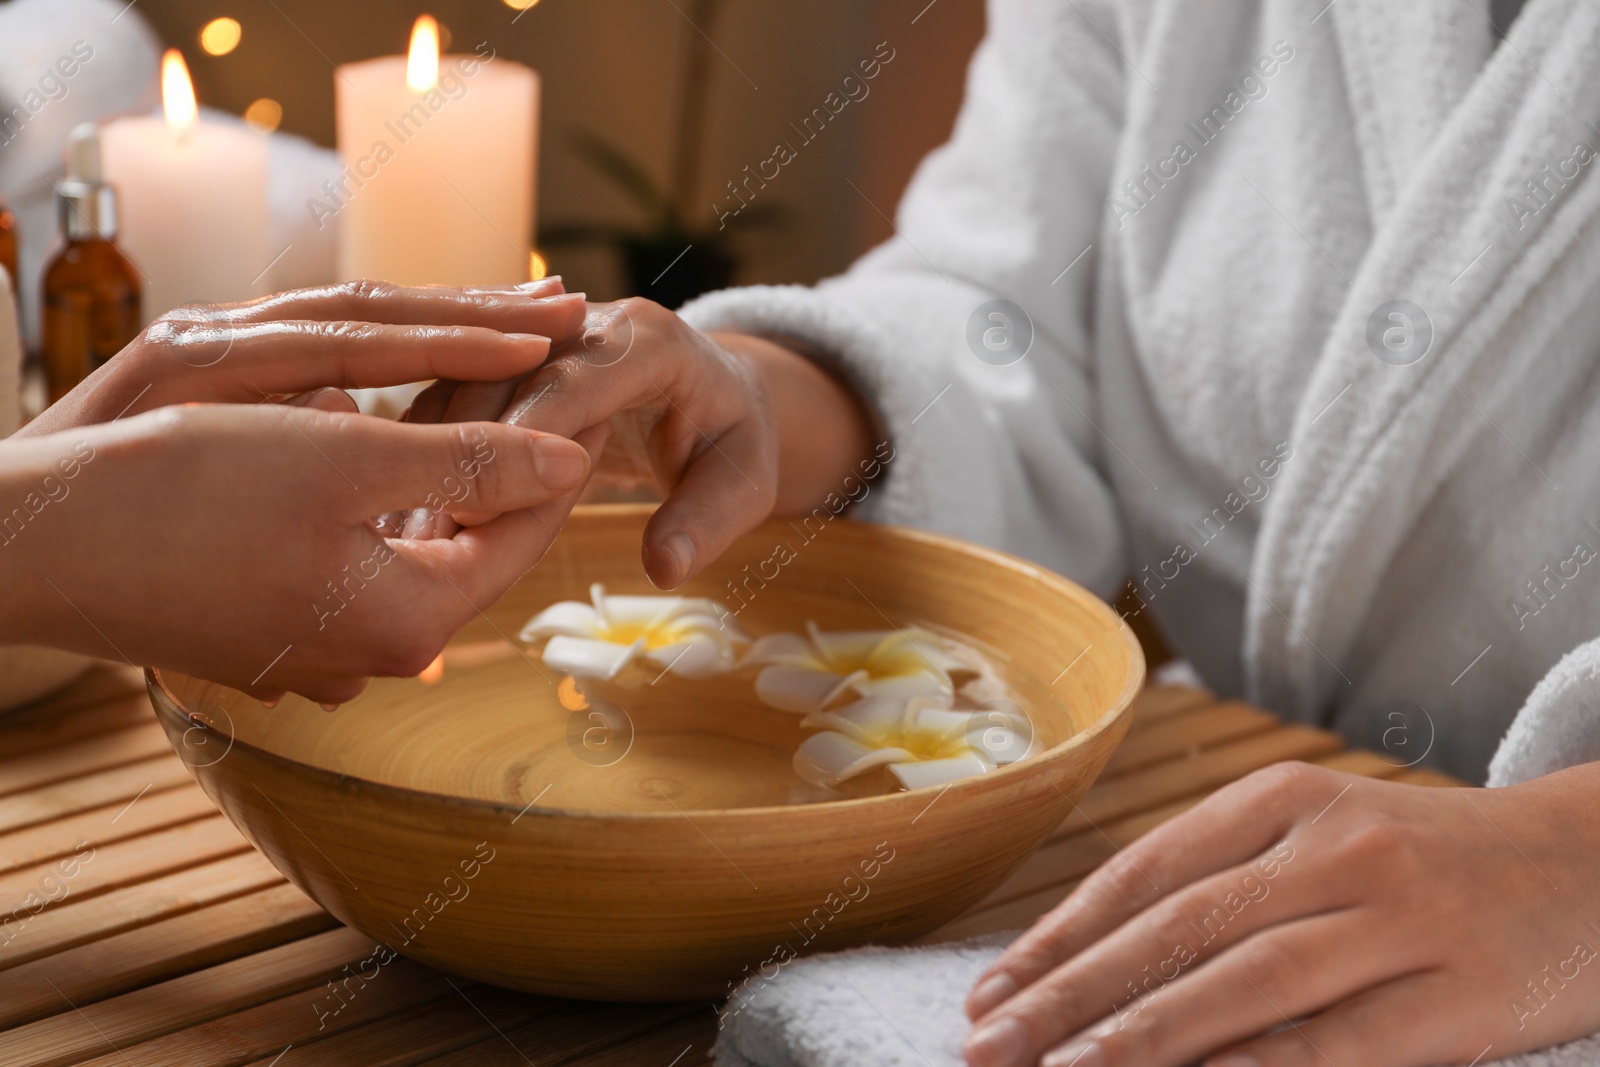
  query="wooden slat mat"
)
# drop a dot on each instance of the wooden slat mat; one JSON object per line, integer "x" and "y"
{"x": 138, "y": 929}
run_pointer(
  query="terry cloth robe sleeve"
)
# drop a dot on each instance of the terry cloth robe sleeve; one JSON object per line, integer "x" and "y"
{"x": 1006, "y": 456}
{"x": 1559, "y": 726}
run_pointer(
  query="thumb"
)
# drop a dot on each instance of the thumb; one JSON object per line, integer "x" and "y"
{"x": 450, "y": 467}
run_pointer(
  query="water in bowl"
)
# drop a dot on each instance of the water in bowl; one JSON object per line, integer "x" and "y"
{"x": 493, "y": 722}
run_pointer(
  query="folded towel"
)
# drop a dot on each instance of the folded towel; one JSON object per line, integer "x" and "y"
{"x": 889, "y": 1007}
{"x": 902, "y": 1008}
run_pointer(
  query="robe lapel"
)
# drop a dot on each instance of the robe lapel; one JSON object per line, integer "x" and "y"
{"x": 1493, "y": 283}
{"x": 1408, "y": 64}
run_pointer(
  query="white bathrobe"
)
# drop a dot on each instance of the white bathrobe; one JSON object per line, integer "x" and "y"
{"x": 1356, "y": 513}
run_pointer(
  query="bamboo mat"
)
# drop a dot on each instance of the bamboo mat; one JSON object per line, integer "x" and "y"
{"x": 138, "y": 929}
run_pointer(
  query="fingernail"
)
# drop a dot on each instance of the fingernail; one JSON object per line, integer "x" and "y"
{"x": 330, "y": 707}
{"x": 1089, "y": 1054}
{"x": 990, "y": 993}
{"x": 418, "y": 522}
{"x": 1001, "y": 1044}
{"x": 1234, "y": 1059}
{"x": 270, "y": 704}
{"x": 541, "y": 283}
{"x": 680, "y": 550}
{"x": 529, "y": 337}
{"x": 559, "y": 463}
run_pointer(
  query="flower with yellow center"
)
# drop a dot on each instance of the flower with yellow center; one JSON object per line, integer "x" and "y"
{"x": 922, "y": 740}
{"x": 689, "y": 636}
{"x": 806, "y": 674}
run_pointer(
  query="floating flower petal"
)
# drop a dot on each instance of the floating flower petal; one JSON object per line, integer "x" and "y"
{"x": 921, "y": 740}
{"x": 805, "y": 674}
{"x": 689, "y": 636}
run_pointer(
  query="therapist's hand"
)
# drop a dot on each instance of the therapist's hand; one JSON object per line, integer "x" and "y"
{"x": 1348, "y": 920}
{"x": 309, "y": 345}
{"x": 235, "y": 542}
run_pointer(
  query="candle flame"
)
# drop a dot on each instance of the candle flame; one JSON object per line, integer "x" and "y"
{"x": 422, "y": 65}
{"x": 177, "y": 92}
{"x": 433, "y": 672}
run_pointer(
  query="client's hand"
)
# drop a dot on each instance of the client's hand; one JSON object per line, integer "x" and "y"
{"x": 1304, "y": 917}
{"x": 235, "y": 542}
{"x": 311, "y": 344}
{"x": 728, "y": 427}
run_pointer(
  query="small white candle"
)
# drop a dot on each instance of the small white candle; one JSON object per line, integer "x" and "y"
{"x": 437, "y": 182}
{"x": 193, "y": 200}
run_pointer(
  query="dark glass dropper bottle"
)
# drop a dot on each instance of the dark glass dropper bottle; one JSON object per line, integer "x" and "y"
{"x": 91, "y": 291}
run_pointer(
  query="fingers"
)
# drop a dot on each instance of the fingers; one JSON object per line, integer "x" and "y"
{"x": 1414, "y": 1019}
{"x": 724, "y": 493}
{"x": 480, "y": 563}
{"x": 329, "y": 399}
{"x": 483, "y": 467}
{"x": 628, "y": 353}
{"x": 1274, "y": 977}
{"x": 480, "y": 401}
{"x": 430, "y": 404}
{"x": 536, "y": 307}
{"x": 1227, "y": 829}
{"x": 300, "y": 355}
{"x": 1172, "y": 937}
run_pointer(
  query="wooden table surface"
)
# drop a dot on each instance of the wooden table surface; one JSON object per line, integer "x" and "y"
{"x": 138, "y": 929}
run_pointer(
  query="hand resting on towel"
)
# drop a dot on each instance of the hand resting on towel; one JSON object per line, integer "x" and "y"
{"x": 1394, "y": 924}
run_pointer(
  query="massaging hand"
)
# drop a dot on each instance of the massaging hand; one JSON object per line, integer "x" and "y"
{"x": 730, "y": 428}
{"x": 1365, "y": 922}
{"x": 309, "y": 345}
{"x": 236, "y": 542}
{"x": 206, "y": 538}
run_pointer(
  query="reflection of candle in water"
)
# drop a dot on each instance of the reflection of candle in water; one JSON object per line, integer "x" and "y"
{"x": 438, "y": 177}
{"x": 193, "y": 199}
{"x": 465, "y": 657}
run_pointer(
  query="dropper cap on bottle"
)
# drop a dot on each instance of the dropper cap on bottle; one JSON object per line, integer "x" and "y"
{"x": 87, "y": 205}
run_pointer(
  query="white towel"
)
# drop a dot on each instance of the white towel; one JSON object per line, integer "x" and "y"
{"x": 903, "y": 1008}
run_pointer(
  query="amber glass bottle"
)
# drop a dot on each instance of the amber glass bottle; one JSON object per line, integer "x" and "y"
{"x": 91, "y": 291}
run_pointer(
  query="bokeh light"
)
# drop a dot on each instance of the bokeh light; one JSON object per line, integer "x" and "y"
{"x": 265, "y": 114}
{"x": 221, "y": 36}
{"x": 520, "y": 5}
{"x": 537, "y": 267}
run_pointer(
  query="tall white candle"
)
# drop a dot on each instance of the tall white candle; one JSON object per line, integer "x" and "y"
{"x": 194, "y": 200}
{"x": 437, "y": 182}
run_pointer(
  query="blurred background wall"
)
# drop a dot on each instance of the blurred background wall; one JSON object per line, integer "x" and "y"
{"x": 615, "y": 67}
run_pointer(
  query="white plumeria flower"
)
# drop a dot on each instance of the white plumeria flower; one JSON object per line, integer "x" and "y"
{"x": 806, "y": 674}
{"x": 922, "y": 740}
{"x": 689, "y": 636}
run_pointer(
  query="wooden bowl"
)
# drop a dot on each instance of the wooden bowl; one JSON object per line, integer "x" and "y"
{"x": 475, "y": 824}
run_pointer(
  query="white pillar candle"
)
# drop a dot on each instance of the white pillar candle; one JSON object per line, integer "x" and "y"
{"x": 193, "y": 200}
{"x": 438, "y": 163}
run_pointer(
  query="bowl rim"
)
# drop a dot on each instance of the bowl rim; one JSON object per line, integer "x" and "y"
{"x": 167, "y": 703}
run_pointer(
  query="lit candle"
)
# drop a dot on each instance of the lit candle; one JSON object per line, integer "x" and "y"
{"x": 437, "y": 182}
{"x": 194, "y": 199}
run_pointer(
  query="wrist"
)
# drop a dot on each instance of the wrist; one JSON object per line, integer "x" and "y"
{"x": 824, "y": 428}
{"x": 37, "y": 478}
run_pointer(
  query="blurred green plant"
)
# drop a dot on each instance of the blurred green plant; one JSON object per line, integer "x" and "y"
{"x": 675, "y": 253}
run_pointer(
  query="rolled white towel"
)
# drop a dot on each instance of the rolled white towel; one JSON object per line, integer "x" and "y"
{"x": 902, "y": 1007}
